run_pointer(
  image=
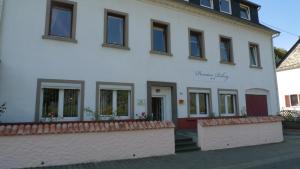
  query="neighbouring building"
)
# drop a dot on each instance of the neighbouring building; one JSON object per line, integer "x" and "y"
{"x": 175, "y": 60}
{"x": 288, "y": 71}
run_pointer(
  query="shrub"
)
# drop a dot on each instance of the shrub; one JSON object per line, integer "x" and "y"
{"x": 290, "y": 115}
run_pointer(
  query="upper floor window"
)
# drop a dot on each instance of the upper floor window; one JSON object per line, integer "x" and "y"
{"x": 207, "y": 3}
{"x": 245, "y": 12}
{"x": 225, "y": 6}
{"x": 226, "y": 50}
{"x": 160, "y": 37}
{"x": 61, "y": 20}
{"x": 116, "y": 29}
{"x": 196, "y": 44}
{"x": 254, "y": 55}
{"x": 60, "y": 100}
{"x": 294, "y": 100}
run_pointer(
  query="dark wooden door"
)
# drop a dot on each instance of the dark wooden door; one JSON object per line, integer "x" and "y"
{"x": 257, "y": 105}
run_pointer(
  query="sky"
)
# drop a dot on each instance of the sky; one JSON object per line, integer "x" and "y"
{"x": 283, "y": 17}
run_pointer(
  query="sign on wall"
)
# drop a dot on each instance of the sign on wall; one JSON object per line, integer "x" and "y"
{"x": 211, "y": 76}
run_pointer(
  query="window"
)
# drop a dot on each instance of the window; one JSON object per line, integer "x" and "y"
{"x": 196, "y": 44}
{"x": 207, "y": 3}
{"x": 60, "y": 100}
{"x": 294, "y": 100}
{"x": 116, "y": 29}
{"x": 228, "y": 102}
{"x": 245, "y": 12}
{"x": 199, "y": 102}
{"x": 225, "y": 6}
{"x": 160, "y": 38}
{"x": 61, "y": 20}
{"x": 115, "y": 100}
{"x": 254, "y": 55}
{"x": 226, "y": 50}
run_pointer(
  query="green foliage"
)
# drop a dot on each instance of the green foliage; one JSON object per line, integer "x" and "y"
{"x": 145, "y": 116}
{"x": 290, "y": 115}
{"x": 279, "y": 54}
{"x": 2, "y": 109}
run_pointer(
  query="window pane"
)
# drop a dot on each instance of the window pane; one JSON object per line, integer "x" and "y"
{"x": 225, "y": 50}
{"x": 106, "y": 102}
{"x": 230, "y": 104}
{"x": 71, "y": 104}
{"x": 115, "y": 30}
{"x": 61, "y": 22}
{"x": 222, "y": 104}
{"x": 206, "y": 3}
{"x": 50, "y": 103}
{"x": 203, "y": 103}
{"x": 225, "y": 6}
{"x": 159, "y": 39}
{"x": 195, "y": 45}
{"x": 253, "y": 56}
{"x": 294, "y": 100}
{"x": 244, "y": 13}
{"x": 193, "y": 108}
{"x": 123, "y": 102}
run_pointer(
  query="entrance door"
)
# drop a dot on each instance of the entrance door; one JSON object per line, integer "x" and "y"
{"x": 257, "y": 105}
{"x": 157, "y": 108}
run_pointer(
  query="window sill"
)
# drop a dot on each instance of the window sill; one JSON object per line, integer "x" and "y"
{"x": 198, "y": 58}
{"x": 71, "y": 40}
{"x": 227, "y": 63}
{"x": 161, "y": 53}
{"x": 115, "y": 46}
{"x": 255, "y": 67}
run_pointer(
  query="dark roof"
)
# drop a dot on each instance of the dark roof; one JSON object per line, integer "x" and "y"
{"x": 258, "y": 25}
{"x": 290, "y": 61}
{"x": 250, "y": 3}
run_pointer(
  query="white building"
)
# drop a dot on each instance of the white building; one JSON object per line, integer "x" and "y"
{"x": 288, "y": 72}
{"x": 173, "y": 59}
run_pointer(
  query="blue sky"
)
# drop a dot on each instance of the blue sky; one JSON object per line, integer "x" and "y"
{"x": 284, "y": 16}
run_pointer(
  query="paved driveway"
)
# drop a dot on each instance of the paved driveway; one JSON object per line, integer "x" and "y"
{"x": 284, "y": 155}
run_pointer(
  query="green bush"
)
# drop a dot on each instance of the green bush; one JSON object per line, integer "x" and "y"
{"x": 290, "y": 115}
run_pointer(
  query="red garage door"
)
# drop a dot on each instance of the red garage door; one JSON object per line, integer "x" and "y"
{"x": 257, "y": 105}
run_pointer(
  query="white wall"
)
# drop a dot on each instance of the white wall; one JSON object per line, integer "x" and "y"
{"x": 288, "y": 84}
{"x": 230, "y": 136}
{"x": 27, "y": 57}
{"x": 60, "y": 149}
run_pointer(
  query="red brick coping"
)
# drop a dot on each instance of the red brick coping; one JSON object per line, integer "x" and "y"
{"x": 80, "y": 127}
{"x": 239, "y": 121}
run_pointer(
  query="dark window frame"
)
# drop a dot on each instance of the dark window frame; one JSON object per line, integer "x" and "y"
{"x": 200, "y": 35}
{"x": 258, "y": 66}
{"x": 63, "y": 3}
{"x": 231, "y": 54}
{"x": 167, "y": 28}
{"x": 125, "y": 16}
{"x": 291, "y": 100}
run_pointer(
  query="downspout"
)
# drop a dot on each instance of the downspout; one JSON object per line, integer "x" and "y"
{"x": 275, "y": 72}
{"x": 1, "y": 16}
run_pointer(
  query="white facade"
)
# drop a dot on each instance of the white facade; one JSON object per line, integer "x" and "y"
{"x": 288, "y": 84}
{"x": 26, "y": 57}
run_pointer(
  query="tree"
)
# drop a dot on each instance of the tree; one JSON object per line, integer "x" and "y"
{"x": 279, "y": 54}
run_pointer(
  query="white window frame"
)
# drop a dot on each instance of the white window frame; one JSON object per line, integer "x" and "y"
{"x": 211, "y": 4}
{"x": 61, "y": 87}
{"x": 256, "y": 55}
{"x": 230, "y": 10}
{"x": 114, "y": 89}
{"x": 208, "y": 102}
{"x": 235, "y": 102}
{"x": 248, "y": 11}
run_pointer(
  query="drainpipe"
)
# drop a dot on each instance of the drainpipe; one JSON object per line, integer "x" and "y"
{"x": 275, "y": 72}
{"x": 1, "y": 16}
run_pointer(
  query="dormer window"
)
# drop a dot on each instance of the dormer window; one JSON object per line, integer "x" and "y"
{"x": 245, "y": 12}
{"x": 225, "y": 6}
{"x": 207, "y": 3}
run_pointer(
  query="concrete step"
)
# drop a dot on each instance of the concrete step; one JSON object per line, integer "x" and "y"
{"x": 187, "y": 148}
